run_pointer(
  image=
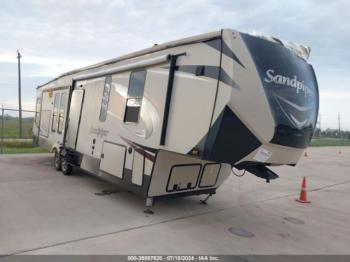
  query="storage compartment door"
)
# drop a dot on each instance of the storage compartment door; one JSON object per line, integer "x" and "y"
{"x": 183, "y": 177}
{"x": 209, "y": 175}
{"x": 112, "y": 159}
{"x": 137, "y": 169}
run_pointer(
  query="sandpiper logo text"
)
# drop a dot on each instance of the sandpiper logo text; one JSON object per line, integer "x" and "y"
{"x": 299, "y": 86}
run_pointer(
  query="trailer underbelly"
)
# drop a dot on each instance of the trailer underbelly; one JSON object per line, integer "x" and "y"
{"x": 172, "y": 175}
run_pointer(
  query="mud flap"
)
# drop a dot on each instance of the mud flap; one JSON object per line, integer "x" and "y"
{"x": 72, "y": 157}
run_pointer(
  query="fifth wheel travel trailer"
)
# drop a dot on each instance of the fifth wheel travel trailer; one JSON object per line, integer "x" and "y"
{"x": 173, "y": 119}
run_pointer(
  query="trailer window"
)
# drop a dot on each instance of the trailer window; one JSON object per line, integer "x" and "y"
{"x": 62, "y": 112}
{"x": 105, "y": 98}
{"x": 56, "y": 104}
{"x": 37, "y": 111}
{"x": 135, "y": 95}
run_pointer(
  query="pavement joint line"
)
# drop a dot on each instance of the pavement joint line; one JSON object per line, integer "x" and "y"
{"x": 166, "y": 221}
{"x": 328, "y": 186}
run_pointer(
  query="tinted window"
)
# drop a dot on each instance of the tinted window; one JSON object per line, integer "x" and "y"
{"x": 62, "y": 112}
{"x": 56, "y": 105}
{"x": 105, "y": 98}
{"x": 63, "y": 103}
{"x": 136, "y": 84}
{"x": 135, "y": 95}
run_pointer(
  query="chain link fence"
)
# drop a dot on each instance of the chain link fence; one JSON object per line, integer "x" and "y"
{"x": 331, "y": 130}
{"x": 17, "y": 136}
{"x": 336, "y": 125}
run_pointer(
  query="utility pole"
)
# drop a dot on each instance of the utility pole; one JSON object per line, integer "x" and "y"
{"x": 339, "y": 124}
{"x": 19, "y": 94}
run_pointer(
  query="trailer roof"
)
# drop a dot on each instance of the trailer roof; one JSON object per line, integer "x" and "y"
{"x": 155, "y": 48}
{"x": 299, "y": 50}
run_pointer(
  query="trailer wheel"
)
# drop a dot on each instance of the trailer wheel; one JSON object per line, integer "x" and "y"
{"x": 66, "y": 167}
{"x": 57, "y": 160}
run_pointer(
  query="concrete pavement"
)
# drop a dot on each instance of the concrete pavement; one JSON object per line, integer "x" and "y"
{"x": 44, "y": 212}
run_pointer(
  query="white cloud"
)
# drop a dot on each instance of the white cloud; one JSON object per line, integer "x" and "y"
{"x": 63, "y": 35}
{"x": 13, "y": 104}
{"x": 334, "y": 103}
{"x": 49, "y": 66}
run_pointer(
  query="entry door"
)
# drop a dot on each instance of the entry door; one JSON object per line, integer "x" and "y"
{"x": 74, "y": 117}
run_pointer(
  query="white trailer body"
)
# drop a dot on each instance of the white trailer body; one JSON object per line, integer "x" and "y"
{"x": 173, "y": 119}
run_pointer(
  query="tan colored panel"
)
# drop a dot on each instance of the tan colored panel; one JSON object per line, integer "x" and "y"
{"x": 137, "y": 169}
{"x": 209, "y": 175}
{"x": 113, "y": 159}
{"x": 148, "y": 167}
{"x": 183, "y": 177}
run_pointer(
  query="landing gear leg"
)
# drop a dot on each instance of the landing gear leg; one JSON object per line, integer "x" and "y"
{"x": 204, "y": 201}
{"x": 149, "y": 204}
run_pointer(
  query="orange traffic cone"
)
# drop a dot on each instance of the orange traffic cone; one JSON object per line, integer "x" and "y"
{"x": 303, "y": 193}
{"x": 305, "y": 154}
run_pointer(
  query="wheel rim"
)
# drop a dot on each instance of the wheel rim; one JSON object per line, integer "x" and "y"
{"x": 64, "y": 165}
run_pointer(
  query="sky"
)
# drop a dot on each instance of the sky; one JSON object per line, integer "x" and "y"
{"x": 57, "y": 36}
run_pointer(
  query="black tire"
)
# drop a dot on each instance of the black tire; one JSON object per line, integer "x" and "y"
{"x": 57, "y": 160}
{"x": 66, "y": 167}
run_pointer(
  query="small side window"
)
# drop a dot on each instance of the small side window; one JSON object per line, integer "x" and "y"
{"x": 37, "y": 111}
{"x": 56, "y": 104}
{"x": 61, "y": 112}
{"x": 105, "y": 98}
{"x": 135, "y": 96}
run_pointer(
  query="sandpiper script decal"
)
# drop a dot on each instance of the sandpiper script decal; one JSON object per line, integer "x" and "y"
{"x": 299, "y": 86}
{"x": 99, "y": 131}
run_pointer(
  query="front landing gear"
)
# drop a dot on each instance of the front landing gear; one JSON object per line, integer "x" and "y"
{"x": 149, "y": 204}
{"x": 204, "y": 201}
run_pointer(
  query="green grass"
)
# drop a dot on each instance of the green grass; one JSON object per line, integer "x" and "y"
{"x": 19, "y": 143}
{"x": 11, "y": 127}
{"x": 15, "y": 150}
{"x": 11, "y": 131}
{"x": 318, "y": 142}
{"x": 19, "y": 147}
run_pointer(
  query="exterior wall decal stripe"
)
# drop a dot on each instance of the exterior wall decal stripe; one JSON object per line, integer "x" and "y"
{"x": 139, "y": 149}
{"x": 209, "y": 71}
{"x": 225, "y": 50}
